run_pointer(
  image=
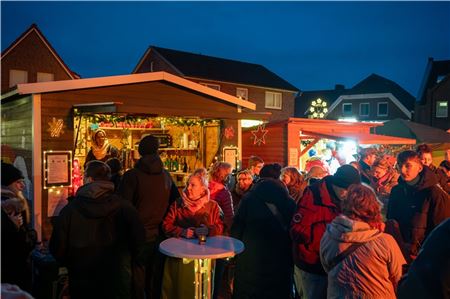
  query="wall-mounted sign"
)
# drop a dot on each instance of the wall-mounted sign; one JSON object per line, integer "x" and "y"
{"x": 57, "y": 169}
{"x": 230, "y": 155}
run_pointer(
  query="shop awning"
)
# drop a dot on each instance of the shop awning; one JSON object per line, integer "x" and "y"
{"x": 361, "y": 138}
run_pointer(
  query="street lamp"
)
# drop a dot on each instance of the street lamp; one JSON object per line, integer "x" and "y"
{"x": 318, "y": 109}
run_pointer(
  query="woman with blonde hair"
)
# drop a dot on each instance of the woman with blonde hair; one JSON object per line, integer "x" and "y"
{"x": 188, "y": 217}
{"x": 294, "y": 182}
{"x": 361, "y": 260}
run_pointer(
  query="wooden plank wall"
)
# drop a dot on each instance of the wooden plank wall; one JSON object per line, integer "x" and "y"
{"x": 273, "y": 151}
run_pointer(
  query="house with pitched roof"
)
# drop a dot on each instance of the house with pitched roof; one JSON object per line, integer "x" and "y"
{"x": 274, "y": 97}
{"x": 434, "y": 95}
{"x": 31, "y": 58}
{"x": 373, "y": 99}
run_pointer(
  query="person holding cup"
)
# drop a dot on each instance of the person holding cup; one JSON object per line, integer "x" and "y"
{"x": 193, "y": 215}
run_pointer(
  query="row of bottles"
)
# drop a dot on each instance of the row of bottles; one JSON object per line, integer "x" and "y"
{"x": 176, "y": 163}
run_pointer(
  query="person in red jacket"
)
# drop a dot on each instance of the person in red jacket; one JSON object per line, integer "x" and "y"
{"x": 319, "y": 205}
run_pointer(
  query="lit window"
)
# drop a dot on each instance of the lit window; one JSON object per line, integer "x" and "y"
{"x": 347, "y": 109}
{"x": 213, "y": 86}
{"x": 382, "y": 109}
{"x": 45, "y": 77}
{"x": 364, "y": 109}
{"x": 273, "y": 100}
{"x": 242, "y": 93}
{"x": 17, "y": 77}
{"x": 441, "y": 109}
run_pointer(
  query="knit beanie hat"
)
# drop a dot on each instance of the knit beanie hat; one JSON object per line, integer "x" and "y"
{"x": 10, "y": 174}
{"x": 345, "y": 176}
{"x": 148, "y": 145}
{"x": 270, "y": 171}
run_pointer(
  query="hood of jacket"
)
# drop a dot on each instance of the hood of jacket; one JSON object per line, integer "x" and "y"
{"x": 427, "y": 178}
{"x": 271, "y": 190}
{"x": 96, "y": 199}
{"x": 344, "y": 229}
{"x": 150, "y": 164}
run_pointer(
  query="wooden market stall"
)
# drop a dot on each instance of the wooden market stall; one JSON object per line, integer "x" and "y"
{"x": 50, "y": 126}
{"x": 281, "y": 142}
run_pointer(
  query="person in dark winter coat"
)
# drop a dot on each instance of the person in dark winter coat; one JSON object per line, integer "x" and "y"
{"x": 418, "y": 203}
{"x": 96, "y": 236}
{"x": 319, "y": 205}
{"x": 150, "y": 188}
{"x": 18, "y": 239}
{"x": 429, "y": 274}
{"x": 264, "y": 269}
{"x": 426, "y": 157}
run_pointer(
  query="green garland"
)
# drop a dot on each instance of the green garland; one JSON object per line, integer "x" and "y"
{"x": 157, "y": 122}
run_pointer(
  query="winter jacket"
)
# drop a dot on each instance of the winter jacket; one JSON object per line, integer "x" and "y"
{"x": 429, "y": 274}
{"x": 150, "y": 188}
{"x": 318, "y": 207}
{"x": 418, "y": 209}
{"x": 371, "y": 271}
{"x": 265, "y": 268}
{"x": 95, "y": 236}
{"x": 220, "y": 194}
{"x": 180, "y": 217}
{"x": 237, "y": 194}
{"x": 442, "y": 178}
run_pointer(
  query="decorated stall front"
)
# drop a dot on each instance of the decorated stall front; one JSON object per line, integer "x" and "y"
{"x": 288, "y": 142}
{"x": 53, "y": 128}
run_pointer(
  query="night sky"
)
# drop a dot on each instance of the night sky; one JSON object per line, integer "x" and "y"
{"x": 313, "y": 45}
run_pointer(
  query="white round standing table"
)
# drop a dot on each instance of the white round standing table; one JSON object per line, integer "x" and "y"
{"x": 215, "y": 248}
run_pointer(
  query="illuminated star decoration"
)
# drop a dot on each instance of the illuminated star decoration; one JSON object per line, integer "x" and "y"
{"x": 56, "y": 127}
{"x": 318, "y": 109}
{"x": 229, "y": 132}
{"x": 259, "y": 135}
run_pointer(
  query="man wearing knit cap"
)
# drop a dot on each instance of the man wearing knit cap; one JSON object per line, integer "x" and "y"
{"x": 16, "y": 246}
{"x": 151, "y": 190}
{"x": 319, "y": 205}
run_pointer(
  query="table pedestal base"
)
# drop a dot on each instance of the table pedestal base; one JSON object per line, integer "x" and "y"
{"x": 203, "y": 272}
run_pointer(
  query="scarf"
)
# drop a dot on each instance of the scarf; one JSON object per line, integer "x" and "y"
{"x": 100, "y": 152}
{"x": 194, "y": 204}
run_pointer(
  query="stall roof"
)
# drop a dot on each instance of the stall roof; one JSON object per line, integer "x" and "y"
{"x": 338, "y": 130}
{"x": 363, "y": 138}
{"x": 124, "y": 80}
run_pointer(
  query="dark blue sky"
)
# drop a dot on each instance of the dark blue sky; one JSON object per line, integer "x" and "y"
{"x": 313, "y": 45}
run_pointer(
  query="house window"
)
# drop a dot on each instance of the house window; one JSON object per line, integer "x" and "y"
{"x": 242, "y": 93}
{"x": 17, "y": 77}
{"x": 273, "y": 100}
{"x": 213, "y": 86}
{"x": 347, "y": 109}
{"x": 364, "y": 109}
{"x": 382, "y": 109}
{"x": 45, "y": 77}
{"x": 441, "y": 109}
{"x": 151, "y": 66}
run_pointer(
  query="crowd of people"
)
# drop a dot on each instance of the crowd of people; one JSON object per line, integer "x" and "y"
{"x": 375, "y": 228}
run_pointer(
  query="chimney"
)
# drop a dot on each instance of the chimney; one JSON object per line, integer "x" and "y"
{"x": 339, "y": 87}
